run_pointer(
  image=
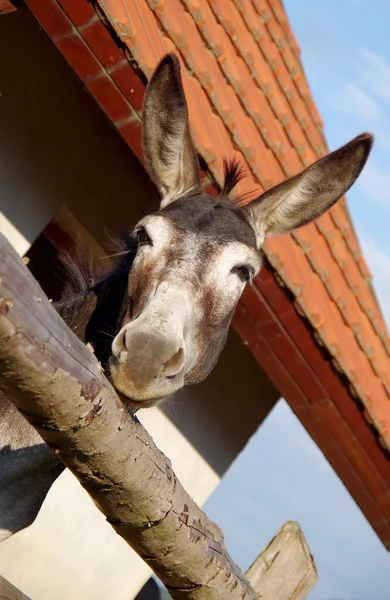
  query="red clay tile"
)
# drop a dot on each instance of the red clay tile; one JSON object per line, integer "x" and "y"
{"x": 129, "y": 83}
{"x": 263, "y": 9}
{"x": 202, "y": 125}
{"x": 132, "y": 134}
{"x": 357, "y": 286}
{"x": 276, "y": 33}
{"x": 279, "y": 13}
{"x": 302, "y": 337}
{"x": 103, "y": 44}
{"x": 314, "y": 114}
{"x": 298, "y": 141}
{"x": 80, "y": 12}
{"x": 79, "y": 57}
{"x": 355, "y": 453}
{"x": 315, "y": 138}
{"x": 51, "y": 17}
{"x": 343, "y": 467}
{"x": 232, "y": 21}
{"x": 283, "y": 346}
{"x": 293, "y": 66}
{"x": 110, "y": 99}
{"x": 292, "y": 41}
{"x": 383, "y": 531}
{"x": 275, "y": 369}
{"x": 133, "y": 21}
{"x": 6, "y": 7}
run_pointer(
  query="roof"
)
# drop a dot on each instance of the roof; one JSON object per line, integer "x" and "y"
{"x": 6, "y": 6}
{"x": 311, "y": 318}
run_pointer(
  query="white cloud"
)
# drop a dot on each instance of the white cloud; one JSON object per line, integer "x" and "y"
{"x": 379, "y": 263}
{"x": 376, "y": 184}
{"x": 382, "y": 139}
{"x": 354, "y": 101}
{"x": 374, "y": 73}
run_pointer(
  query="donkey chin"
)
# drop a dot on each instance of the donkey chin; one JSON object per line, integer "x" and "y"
{"x": 140, "y": 388}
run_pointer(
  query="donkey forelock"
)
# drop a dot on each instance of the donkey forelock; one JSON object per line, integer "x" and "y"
{"x": 192, "y": 259}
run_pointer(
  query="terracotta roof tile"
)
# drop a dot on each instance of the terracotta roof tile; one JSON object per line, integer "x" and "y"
{"x": 102, "y": 42}
{"x": 80, "y": 13}
{"x": 263, "y": 8}
{"x": 280, "y": 14}
{"x": 6, "y": 6}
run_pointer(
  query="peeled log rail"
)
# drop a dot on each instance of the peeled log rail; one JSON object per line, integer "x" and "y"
{"x": 9, "y": 592}
{"x": 56, "y": 383}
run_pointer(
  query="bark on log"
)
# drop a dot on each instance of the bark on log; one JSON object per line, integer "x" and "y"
{"x": 10, "y": 592}
{"x": 56, "y": 383}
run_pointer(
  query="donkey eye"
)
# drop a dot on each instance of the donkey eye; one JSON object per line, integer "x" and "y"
{"x": 244, "y": 273}
{"x": 142, "y": 237}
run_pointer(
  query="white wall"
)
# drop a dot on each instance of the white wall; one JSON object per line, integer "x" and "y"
{"x": 20, "y": 242}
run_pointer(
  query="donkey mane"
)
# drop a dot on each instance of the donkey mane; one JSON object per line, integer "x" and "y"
{"x": 93, "y": 294}
{"x": 83, "y": 272}
{"x": 80, "y": 269}
{"x": 233, "y": 173}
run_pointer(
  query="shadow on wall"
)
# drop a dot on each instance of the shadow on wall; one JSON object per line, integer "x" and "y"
{"x": 57, "y": 146}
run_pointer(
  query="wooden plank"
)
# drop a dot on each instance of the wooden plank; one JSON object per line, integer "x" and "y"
{"x": 10, "y": 592}
{"x": 285, "y": 570}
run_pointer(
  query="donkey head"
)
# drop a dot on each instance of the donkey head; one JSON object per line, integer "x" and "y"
{"x": 196, "y": 254}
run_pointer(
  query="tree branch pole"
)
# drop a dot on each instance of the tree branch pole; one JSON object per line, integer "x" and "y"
{"x": 56, "y": 383}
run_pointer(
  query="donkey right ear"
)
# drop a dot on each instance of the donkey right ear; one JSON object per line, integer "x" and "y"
{"x": 169, "y": 150}
{"x": 308, "y": 195}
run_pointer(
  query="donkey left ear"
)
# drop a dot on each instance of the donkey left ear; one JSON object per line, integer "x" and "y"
{"x": 169, "y": 150}
{"x": 308, "y": 195}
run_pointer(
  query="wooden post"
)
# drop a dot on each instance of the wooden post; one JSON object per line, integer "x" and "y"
{"x": 285, "y": 570}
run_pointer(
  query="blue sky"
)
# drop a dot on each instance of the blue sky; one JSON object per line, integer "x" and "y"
{"x": 346, "y": 55}
{"x": 281, "y": 475}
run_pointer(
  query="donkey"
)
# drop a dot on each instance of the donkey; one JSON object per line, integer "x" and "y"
{"x": 168, "y": 302}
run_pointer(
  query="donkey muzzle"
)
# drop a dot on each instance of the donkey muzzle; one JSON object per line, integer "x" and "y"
{"x": 150, "y": 353}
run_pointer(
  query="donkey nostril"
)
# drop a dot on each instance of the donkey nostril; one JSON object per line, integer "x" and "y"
{"x": 175, "y": 364}
{"x": 124, "y": 341}
{"x": 119, "y": 343}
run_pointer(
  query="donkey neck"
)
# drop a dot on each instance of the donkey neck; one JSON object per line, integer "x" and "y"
{"x": 94, "y": 314}
{"x": 77, "y": 311}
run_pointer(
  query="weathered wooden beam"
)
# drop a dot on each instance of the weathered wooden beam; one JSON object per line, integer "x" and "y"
{"x": 285, "y": 570}
{"x": 10, "y": 592}
{"x": 56, "y": 383}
